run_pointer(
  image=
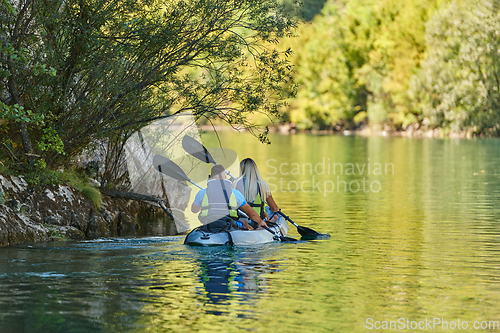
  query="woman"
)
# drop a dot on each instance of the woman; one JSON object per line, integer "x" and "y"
{"x": 255, "y": 190}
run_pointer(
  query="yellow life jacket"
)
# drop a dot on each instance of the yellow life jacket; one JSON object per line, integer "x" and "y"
{"x": 258, "y": 204}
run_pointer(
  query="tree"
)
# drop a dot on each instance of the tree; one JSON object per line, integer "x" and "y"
{"x": 307, "y": 10}
{"x": 355, "y": 62}
{"x": 76, "y": 71}
{"x": 324, "y": 72}
{"x": 458, "y": 86}
{"x": 8, "y": 6}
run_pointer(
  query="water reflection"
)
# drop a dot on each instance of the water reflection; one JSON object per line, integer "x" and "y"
{"x": 427, "y": 245}
{"x": 232, "y": 276}
{"x": 215, "y": 275}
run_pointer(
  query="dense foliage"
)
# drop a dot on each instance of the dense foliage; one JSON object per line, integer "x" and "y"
{"x": 458, "y": 88}
{"x": 355, "y": 61}
{"x": 73, "y": 72}
{"x": 306, "y": 10}
{"x": 429, "y": 63}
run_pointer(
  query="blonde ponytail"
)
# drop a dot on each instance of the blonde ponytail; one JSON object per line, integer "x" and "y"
{"x": 253, "y": 182}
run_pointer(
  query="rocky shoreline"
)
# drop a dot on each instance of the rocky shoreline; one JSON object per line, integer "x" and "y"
{"x": 411, "y": 131}
{"x": 60, "y": 212}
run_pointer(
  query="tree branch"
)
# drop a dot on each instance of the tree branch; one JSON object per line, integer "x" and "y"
{"x": 140, "y": 197}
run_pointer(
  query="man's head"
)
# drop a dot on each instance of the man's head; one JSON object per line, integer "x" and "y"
{"x": 218, "y": 172}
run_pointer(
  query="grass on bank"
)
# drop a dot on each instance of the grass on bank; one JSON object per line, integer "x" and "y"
{"x": 84, "y": 186}
{"x": 40, "y": 176}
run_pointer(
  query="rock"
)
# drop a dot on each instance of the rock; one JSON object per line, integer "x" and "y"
{"x": 60, "y": 212}
{"x": 17, "y": 228}
{"x": 111, "y": 219}
{"x": 106, "y": 215}
{"x": 96, "y": 225}
{"x": 78, "y": 221}
{"x": 126, "y": 222}
{"x": 4, "y": 227}
{"x": 13, "y": 204}
{"x": 54, "y": 220}
{"x": 6, "y": 184}
{"x": 94, "y": 182}
{"x": 66, "y": 193}
{"x": 65, "y": 233}
{"x": 48, "y": 193}
{"x": 73, "y": 233}
{"x": 20, "y": 183}
{"x": 2, "y": 196}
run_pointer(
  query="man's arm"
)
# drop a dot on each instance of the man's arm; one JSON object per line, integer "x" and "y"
{"x": 194, "y": 208}
{"x": 197, "y": 199}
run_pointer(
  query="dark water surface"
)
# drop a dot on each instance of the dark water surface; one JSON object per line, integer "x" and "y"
{"x": 415, "y": 237}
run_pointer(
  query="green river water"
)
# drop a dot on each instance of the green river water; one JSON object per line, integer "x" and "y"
{"x": 415, "y": 241}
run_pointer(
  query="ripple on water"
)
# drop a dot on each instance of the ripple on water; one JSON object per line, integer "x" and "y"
{"x": 426, "y": 245}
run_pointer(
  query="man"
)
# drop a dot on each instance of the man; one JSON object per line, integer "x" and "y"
{"x": 219, "y": 201}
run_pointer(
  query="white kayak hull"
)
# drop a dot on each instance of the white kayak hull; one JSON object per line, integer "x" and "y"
{"x": 238, "y": 237}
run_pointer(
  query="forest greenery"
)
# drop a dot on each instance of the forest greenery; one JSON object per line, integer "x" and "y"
{"x": 458, "y": 86}
{"x": 306, "y": 10}
{"x": 82, "y": 184}
{"x": 354, "y": 62}
{"x": 75, "y": 72}
{"x": 425, "y": 64}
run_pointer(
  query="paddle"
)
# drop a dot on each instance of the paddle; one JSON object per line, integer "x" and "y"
{"x": 304, "y": 231}
{"x": 196, "y": 149}
{"x": 282, "y": 238}
{"x": 166, "y": 166}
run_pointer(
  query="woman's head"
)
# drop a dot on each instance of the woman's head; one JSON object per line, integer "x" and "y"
{"x": 248, "y": 166}
{"x": 253, "y": 181}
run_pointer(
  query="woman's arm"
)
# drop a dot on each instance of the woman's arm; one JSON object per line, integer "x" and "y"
{"x": 252, "y": 214}
{"x": 272, "y": 204}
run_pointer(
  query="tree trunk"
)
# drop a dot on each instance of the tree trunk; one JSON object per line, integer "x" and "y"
{"x": 140, "y": 197}
{"x": 28, "y": 148}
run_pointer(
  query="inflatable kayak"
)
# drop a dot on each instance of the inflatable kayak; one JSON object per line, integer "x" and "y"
{"x": 238, "y": 237}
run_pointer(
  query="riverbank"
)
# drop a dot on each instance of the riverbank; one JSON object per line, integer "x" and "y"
{"x": 411, "y": 131}
{"x": 59, "y": 212}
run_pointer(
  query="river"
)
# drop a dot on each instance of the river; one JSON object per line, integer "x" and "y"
{"x": 415, "y": 242}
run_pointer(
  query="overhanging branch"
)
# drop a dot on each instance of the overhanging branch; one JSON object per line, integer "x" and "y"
{"x": 140, "y": 197}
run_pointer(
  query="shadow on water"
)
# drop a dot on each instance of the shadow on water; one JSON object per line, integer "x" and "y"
{"x": 425, "y": 244}
{"x": 215, "y": 275}
{"x": 130, "y": 284}
{"x": 158, "y": 224}
{"x": 231, "y": 275}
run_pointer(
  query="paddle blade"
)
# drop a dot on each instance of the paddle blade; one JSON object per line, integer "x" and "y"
{"x": 304, "y": 231}
{"x": 166, "y": 166}
{"x": 196, "y": 149}
{"x": 308, "y": 233}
